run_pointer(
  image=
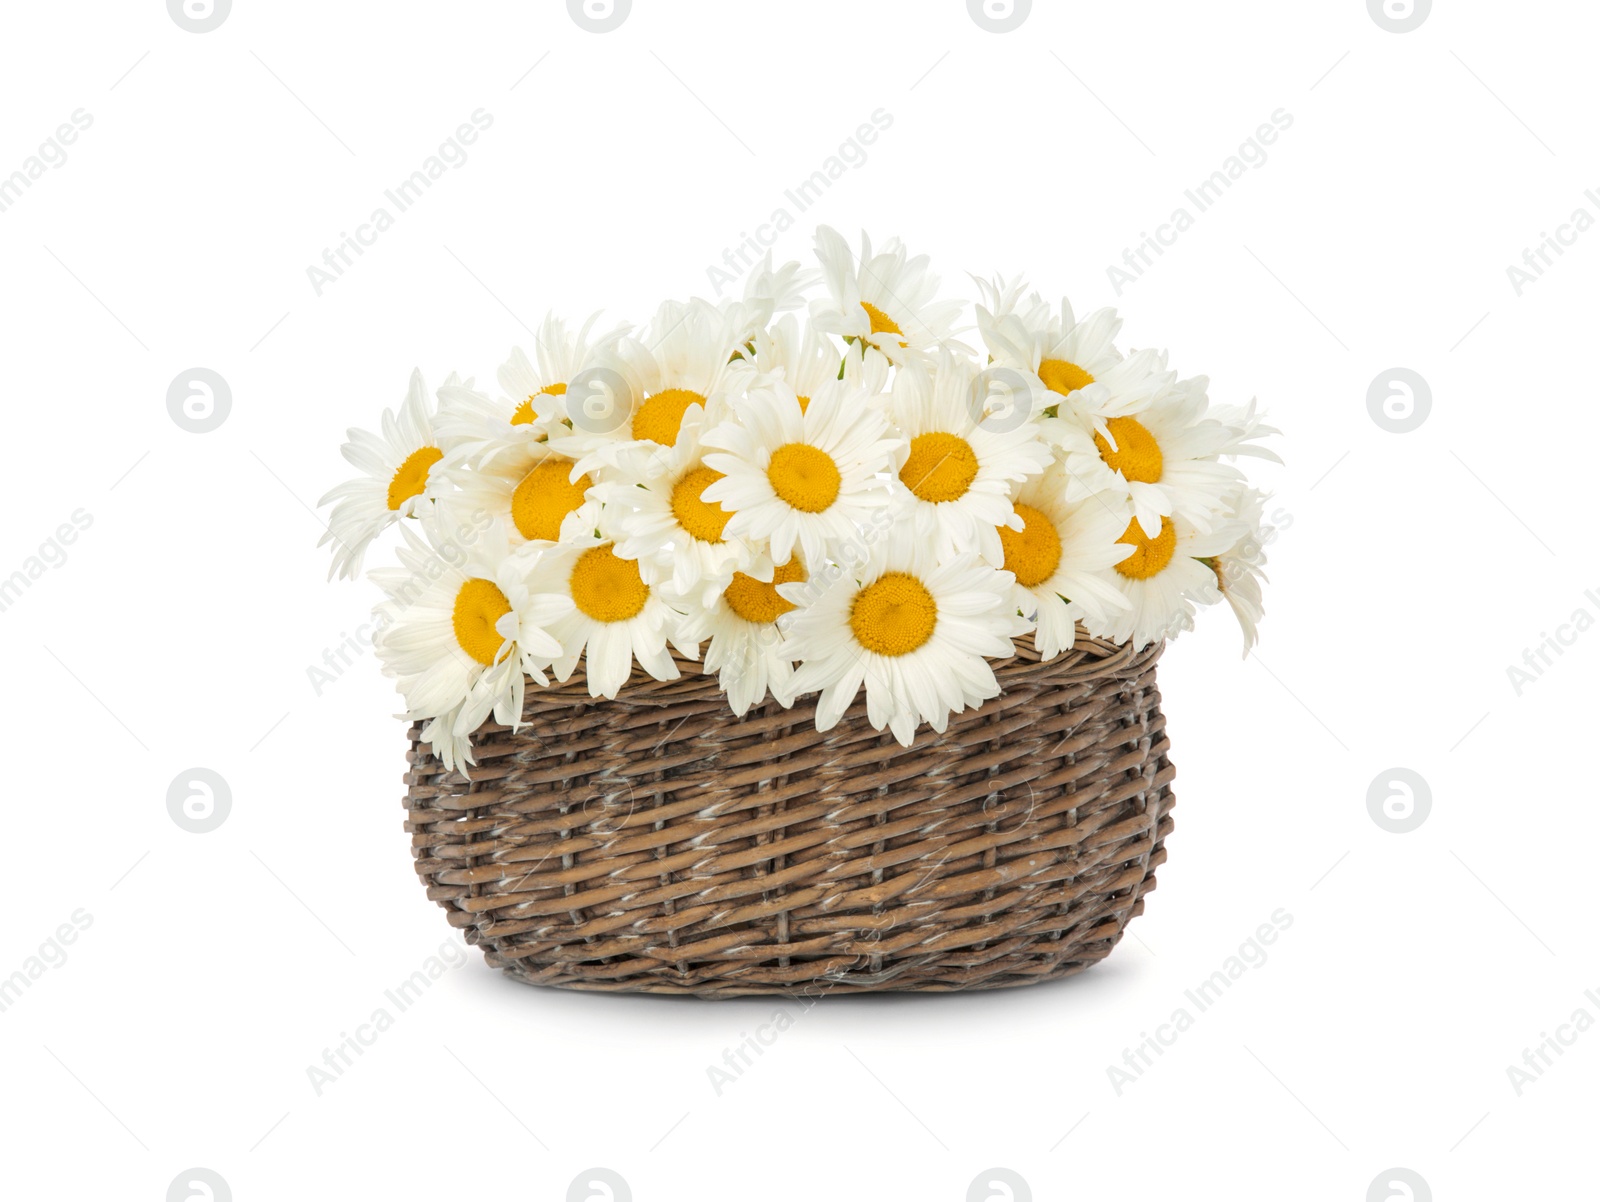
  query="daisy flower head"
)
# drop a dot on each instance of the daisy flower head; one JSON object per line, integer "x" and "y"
{"x": 533, "y": 390}
{"x": 530, "y": 487}
{"x": 1245, "y": 427}
{"x": 913, "y": 630}
{"x": 1160, "y": 450}
{"x": 744, "y": 623}
{"x": 649, "y": 392}
{"x": 1241, "y": 569}
{"x": 956, "y": 467}
{"x": 1001, "y": 298}
{"x": 462, "y": 628}
{"x": 769, "y": 291}
{"x": 1062, "y": 559}
{"x": 807, "y": 478}
{"x": 615, "y": 618}
{"x": 1164, "y": 577}
{"x": 886, "y": 301}
{"x": 1076, "y": 362}
{"x": 397, "y": 478}
{"x": 680, "y": 539}
{"x": 810, "y": 360}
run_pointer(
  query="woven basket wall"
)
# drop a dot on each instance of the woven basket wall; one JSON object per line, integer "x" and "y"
{"x": 657, "y": 844}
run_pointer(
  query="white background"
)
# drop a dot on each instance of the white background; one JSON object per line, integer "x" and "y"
{"x": 1414, "y": 569}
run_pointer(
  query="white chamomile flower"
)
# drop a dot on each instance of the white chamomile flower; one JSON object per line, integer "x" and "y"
{"x": 1062, "y": 559}
{"x": 769, "y": 291}
{"x": 743, "y": 622}
{"x": 809, "y": 360}
{"x": 1067, "y": 355}
{"x": 616, "y": 617}
{"x": 1001, "y": 297}
{"x": 885, "y": 300}
{"x": 533, "y": 402}
{"x": 914, "y": 631}
{"x": 1241, "y": 569}
{"x": 1245, "y": 426}
{"x": 783, "y": 287}
{"x": 462, "y": 628}
{"x": 801, "y": 478}
{"x": 397, "y": 465}
{"x": 1164, "y": 577}
{"x": 1159, "y": 451}
{"x": 957, "y": 466}
{"x": 662, "y": 519}
{"x": 529, "y": 486}
{"x": 644, "y": 393}
{"x": 534, "y": 388}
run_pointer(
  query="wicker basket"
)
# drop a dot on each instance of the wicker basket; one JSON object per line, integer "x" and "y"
{"x": 657, "y": 844}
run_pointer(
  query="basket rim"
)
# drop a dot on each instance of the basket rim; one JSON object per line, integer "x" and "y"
{"x": 1091, "y": 658}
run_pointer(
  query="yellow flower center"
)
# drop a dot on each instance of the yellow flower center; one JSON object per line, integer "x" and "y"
{"x": 703, "y": 519}
{"x": 526, "y": 414}
{"x": 412, "y": 476}
{"x": 1138, "y": 454}
{"x": 660, "y": 417}
{"x": 757, "y": 601}
{"x": 941, "y": 467}
{"x": 894, "y": 615}
{"x": 1150, "y": 555}
{"x": 882, "y": 323}
{"x": 804, "y": 477}
{"x": 805, "y": 401}
{"x": 606, "y": 587}
{"x": 479, "y": 605}
{"x": 1063, "y": 377}
{"x": 544, "y": 497}
{"x": 1034, "y": 552}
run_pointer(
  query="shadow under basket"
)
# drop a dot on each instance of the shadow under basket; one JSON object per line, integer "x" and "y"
{"x": 658, "y": 844}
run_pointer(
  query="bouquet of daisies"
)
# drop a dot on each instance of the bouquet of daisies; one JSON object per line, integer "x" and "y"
{"x": 815, "y": 485}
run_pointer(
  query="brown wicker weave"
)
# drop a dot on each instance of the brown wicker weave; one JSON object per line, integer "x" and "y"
{"x": 657, "y": 844}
